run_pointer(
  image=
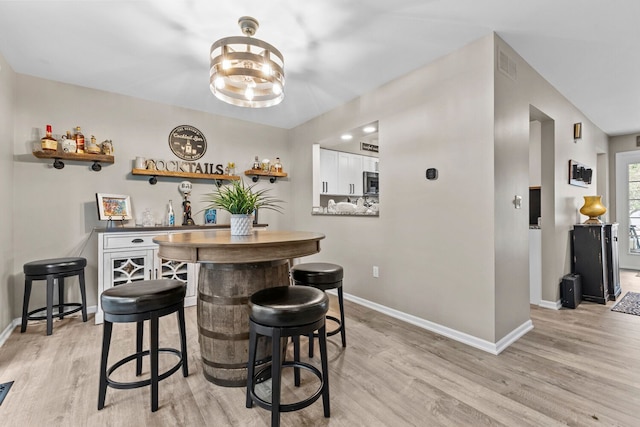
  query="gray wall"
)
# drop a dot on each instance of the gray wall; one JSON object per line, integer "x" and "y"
{"x": 433, "y": 240}
{"x": 561, "y": 201}
{"x": 7, "y": 81}
{"x": 55, "y": 210}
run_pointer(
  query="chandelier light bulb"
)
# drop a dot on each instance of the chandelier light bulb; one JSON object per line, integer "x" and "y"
{"x": 219, "y": 82}
{"x": 249, "y": 93}
{"x": 277, "y": 89}
{"x": 226, "y": 64}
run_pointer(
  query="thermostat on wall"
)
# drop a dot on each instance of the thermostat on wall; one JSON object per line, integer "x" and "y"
{"x": 432, "y": 174}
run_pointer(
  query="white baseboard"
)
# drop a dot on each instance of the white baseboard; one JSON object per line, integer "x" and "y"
{"x": 553, "y": 305}
{"x": 489, "y": 347}
{"x": 18, "y": 321}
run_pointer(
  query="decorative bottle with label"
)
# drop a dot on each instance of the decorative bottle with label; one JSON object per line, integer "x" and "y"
{"x": 256, "y": 164}
{"x": 277, "y": 166}
{"x": 79, "y": 141}
{"x": 49, "y": 143}
{"x": 171, "y": 217}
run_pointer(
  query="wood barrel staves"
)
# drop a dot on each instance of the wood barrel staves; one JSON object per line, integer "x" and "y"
{"x": 223, "y": 317}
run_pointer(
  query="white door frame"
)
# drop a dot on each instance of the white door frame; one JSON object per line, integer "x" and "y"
{"x": 623, "y": 159}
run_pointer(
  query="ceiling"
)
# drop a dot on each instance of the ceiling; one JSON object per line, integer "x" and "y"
{"x": 334, "y": 50}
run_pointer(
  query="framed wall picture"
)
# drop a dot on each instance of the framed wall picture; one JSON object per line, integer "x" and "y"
{"x": 579, "y": 174}
{"x": 210, "y": 216}
{"x": 112, "y": 207}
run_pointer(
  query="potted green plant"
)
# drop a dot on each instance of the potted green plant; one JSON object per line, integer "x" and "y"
{"x": 241, "y": 201}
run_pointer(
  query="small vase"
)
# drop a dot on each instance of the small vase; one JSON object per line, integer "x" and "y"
{"x": 593, "y": 208}
{"x": 241, "y": 225}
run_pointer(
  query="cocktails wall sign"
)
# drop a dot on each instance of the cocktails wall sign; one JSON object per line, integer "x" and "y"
{"x": 187, "y": 142}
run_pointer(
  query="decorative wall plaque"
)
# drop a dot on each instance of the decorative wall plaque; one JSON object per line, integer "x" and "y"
{"x": 187, "y": 142}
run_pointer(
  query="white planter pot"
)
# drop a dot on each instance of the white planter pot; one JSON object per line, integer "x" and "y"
{"x": 241, "y": 225}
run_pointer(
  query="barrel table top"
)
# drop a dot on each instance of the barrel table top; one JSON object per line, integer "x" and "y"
{"x": 219, "y": 246}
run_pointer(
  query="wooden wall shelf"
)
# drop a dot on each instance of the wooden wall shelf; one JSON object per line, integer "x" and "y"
{"x": 81, "y": 157}
{"x": 256, "y": 174}
{"x": 189, "y": 175}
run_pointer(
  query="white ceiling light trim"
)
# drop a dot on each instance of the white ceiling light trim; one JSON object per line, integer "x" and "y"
{"x": 247, "y": 72}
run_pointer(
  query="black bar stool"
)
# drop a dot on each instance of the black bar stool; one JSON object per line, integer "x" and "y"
{"x": 53, "y": 271}
{"x": 280, "y": 312}
{"x": 323, "y": 276}
{"x": 137, "y": 302}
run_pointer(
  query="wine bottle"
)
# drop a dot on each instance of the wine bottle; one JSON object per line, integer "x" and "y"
{"x": 49, "y": 143}
{"x": 79, "y": 141}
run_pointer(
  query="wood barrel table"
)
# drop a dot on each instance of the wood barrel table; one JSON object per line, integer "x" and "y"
{"x": 232, "y": 269}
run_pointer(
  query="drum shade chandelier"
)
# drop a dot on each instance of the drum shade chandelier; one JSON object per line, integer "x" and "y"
{"x": 246, "y": 72}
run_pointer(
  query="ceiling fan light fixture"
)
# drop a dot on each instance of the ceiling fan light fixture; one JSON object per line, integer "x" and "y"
{"x": 245, "y": 71}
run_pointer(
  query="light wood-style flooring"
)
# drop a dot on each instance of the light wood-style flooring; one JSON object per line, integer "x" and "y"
{"x": 576, "y": 367}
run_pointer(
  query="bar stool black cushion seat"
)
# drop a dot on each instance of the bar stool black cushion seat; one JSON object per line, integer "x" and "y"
{"x": 281, "y": 312}
{"x": 137, "y": 302}
{"x": 151, "y": 295}
{"x": 54, "y": 271}
{"x": 54, "y": 266}
{"x": 285, "y": 306}
{"x": 321, "y": 275}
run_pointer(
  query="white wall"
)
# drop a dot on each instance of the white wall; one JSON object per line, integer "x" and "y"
{"x": 433, "y": 241}
{"x": 7, "y": 290}
{"x": 55, "y": 210}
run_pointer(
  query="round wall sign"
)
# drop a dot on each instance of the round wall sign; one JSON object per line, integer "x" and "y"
{"x": 187, "y": 142}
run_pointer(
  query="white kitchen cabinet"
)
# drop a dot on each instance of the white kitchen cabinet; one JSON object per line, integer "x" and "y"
{"x": 125, "y": 257}
{"x": 349, "y": 174}
{"x": 369, "y": 164}
{"x": 341, "y": 173}
{"x": 328, "y": 171}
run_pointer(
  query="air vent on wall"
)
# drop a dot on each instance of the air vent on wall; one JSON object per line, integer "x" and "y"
{"x": 507, "y": 65}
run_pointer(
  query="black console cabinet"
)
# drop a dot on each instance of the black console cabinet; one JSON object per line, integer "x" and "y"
{"x": 595, "y": 259}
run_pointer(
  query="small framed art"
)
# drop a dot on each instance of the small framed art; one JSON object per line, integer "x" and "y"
{"x": 113, "y": 207}
{"x": 210, "y": 216}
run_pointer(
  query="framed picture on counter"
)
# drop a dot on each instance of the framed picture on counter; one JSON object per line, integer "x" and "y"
{"x": 113, "y": 207}
{"x": 210, "y": 216}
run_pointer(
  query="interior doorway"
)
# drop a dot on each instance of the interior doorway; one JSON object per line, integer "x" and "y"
{"x": 541, "y": 200}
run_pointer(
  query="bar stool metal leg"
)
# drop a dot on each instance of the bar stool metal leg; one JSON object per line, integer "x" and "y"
{"x": 83, "y": 295}
{"x": 106, "y": 343}
{"x": 343, "y": 333}
{"x": 60, "y": 281}
{"x": 183, "y": 341}
{"x": 153, "y": 355}
{"x": 25, "y": 304}
{"x": 50, "y": 281}
{"x": 276, "y": 367}
{"x": 139, "y": 336}
{"x": 322, "y": 341}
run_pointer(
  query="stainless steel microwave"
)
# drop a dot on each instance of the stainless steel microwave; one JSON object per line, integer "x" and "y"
{"x": 370, "y": 183}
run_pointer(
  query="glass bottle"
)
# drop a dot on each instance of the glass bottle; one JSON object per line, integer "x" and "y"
{"x": 49, "y": 143}
{"x": 256, "y": 164}
{"x": 79, "y": 141}
{"x": 277, "y": 166}
{"x": 171, "y": 217}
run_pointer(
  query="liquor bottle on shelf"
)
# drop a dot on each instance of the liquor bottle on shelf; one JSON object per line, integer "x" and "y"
{"x": 49, "y": 143}
{"x": 79, "y": 141}
{"x": 256, "y": 164}
{"x": 171, "y": 217}
{"x": 277, "y": 166}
